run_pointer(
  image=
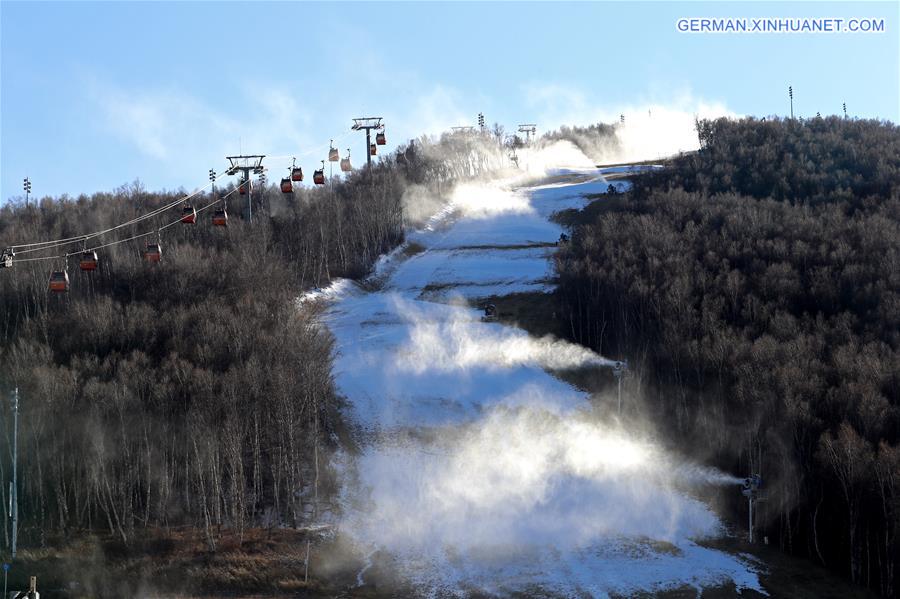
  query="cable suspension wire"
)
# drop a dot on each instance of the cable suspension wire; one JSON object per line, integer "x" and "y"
{"x": 316, "y": 150}
{"x": 57, "y": 242}
{"x": 118, "y": 241}
{"x": 45, "y": 245}
{"x": 84, "y": 238}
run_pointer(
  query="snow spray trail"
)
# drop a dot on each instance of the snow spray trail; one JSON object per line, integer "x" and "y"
{"x": 480, "y": 472}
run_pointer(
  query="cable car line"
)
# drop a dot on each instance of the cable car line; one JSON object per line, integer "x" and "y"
{"x": 188, "y": 216}
{"x": 45, "y": 245}
{"x": 52, "y": 244}
{"x": 118, "y": 241}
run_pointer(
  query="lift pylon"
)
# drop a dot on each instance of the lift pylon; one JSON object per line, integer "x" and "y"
{"x": 246, "y": 165}
{"x": 368, "y": 124}
{"x": 529, "y": 129}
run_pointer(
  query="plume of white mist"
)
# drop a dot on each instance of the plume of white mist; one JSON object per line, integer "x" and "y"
{"x": 525, "y": 477}
{"x": 420, "y": 204}
{"x": 487, "y": 200}
{"x": 650, "y": 131}
{"x": 459, "y": 343}
{"x": 655, "y": 131}
{"x": 541, "y": 158}
{"x": 478, "y": 200}
{"x": 479, "y": 160}
{"x": 696, "y": 474}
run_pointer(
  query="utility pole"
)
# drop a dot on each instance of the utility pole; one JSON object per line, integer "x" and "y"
{"x": 367, "y": 124}
{"x": 791, "y": 94}
{"x": 528, "y": 129}
{"x": 246, "y": 165}
{"x": 14, "y": 486}
{"x": 27, "y": 187}
{"x": 619, "y": 369}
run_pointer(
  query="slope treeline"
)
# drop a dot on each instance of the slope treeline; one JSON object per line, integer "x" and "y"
{"x": 195, "y": 391}
{"x": 756, "y": 287}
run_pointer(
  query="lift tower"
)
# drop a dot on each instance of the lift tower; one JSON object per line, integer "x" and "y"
{"x": 246, "y": 165}
{"x": 528, "y": 129}
{"x": 368, "y": 123}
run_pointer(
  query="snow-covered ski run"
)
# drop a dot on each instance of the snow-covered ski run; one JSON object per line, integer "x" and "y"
{"x": 478, "y": 470}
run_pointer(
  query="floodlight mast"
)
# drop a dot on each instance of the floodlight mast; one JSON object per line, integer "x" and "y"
{"x": 246, "y": 165}
{"x": 368, "y": 123}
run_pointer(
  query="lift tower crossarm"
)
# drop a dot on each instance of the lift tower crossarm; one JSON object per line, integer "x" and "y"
{"x": 528, "y": 129}
{"x": 368, "y": 124}
{"x": 246, "y": 164}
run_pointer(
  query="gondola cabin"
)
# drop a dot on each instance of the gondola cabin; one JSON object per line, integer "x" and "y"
{"x": 153, "y": 253}
{"x": 244, "y": 188}
{"x": 345, "y": 165}
{"x": 220, "y": 218}
{"x": 333, "y": 155}
{"x": 373, "y": 150}
{"x": 380, "y": 139}
{"x": 59, "y": 281}
{"x": 296, "y": 174}
{"x": 287, "y": 186}
{"x": 88, "y": 261}
{"x": 319, "y": 177}
{"x": 188, "y": 215}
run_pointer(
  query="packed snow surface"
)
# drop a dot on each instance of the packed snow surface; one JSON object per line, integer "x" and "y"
{"x": 480, "y": 471}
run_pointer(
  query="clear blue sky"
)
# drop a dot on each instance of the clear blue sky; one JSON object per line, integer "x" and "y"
{"x": 96, "y": 95}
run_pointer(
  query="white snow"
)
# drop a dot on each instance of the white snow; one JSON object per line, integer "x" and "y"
{"x": 481, "y": 472}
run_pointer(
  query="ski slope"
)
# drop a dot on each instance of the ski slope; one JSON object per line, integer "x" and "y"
{"x": 479, "y": 472}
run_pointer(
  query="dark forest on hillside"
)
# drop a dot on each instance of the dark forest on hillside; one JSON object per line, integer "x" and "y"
{"x": 755, "y": 286}
{"x": 195, "y": 391}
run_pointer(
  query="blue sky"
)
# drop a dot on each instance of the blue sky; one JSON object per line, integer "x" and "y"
{"x": 96, "y": 95}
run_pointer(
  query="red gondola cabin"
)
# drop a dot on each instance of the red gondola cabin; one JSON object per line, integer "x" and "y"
{"x": 88, "y": 261}
{"x": 296, "y": 174}
{"x": 244, "y": 188}
{"x": 153, "y": 252}
{"x": 373, "y": 149}
{"x": 189, "y": 215}
{"x": 220, "y": 217}
{"x": 287, "y": 186}
{"x": 319, "y": 177}
{"x": 59, "y": 281}
{"x": 380, "y": 139}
